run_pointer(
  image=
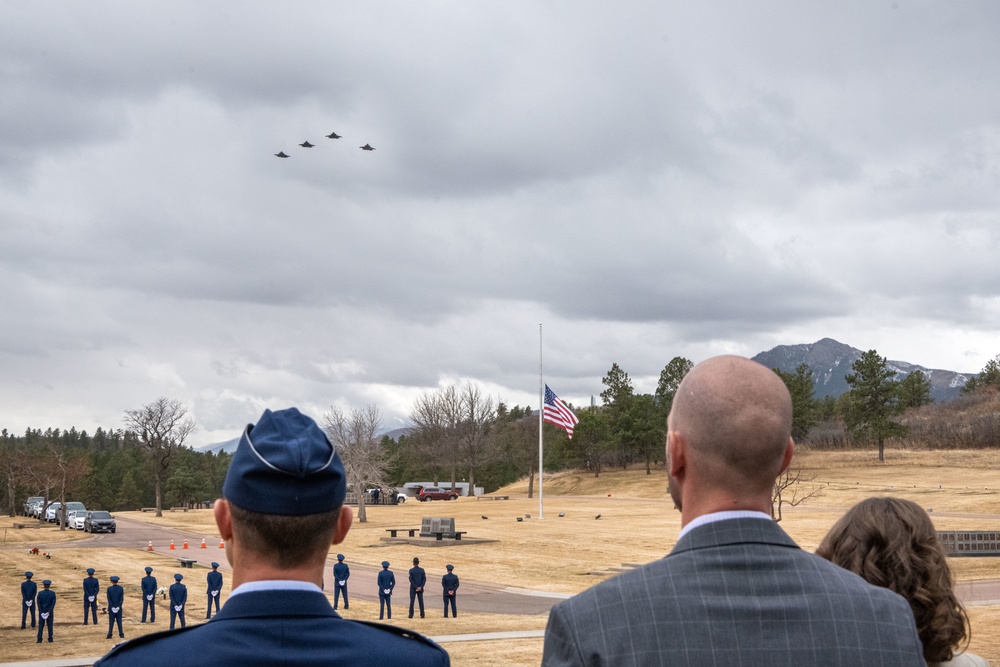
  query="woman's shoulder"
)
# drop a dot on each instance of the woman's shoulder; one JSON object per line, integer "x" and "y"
{"x": 965, "y": 660}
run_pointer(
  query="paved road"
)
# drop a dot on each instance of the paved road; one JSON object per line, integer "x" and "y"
{"x": 474, "y": 596}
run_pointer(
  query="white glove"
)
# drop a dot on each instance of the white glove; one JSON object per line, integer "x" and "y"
{"x": 388, "y": 590}
{"x": 342, "y": 583}
{"x": 178, "y": 607}
{"x": 115, "y": 609}
{"x": 149, "y": 597}
{"x": 214, "y": 593}
{"x": 90, "y": 599}
{"x": 27, "y": 603}
{"x": 45, "y": 615}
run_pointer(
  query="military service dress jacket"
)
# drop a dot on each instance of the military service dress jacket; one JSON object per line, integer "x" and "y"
{"x": 279, "y": 627}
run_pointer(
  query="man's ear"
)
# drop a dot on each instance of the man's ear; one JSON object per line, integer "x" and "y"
{"x": 789, "y": 453}
{"x": 343, "y": 524}
{"x": 675, "y": 453}
{"x": 223, "y": 519}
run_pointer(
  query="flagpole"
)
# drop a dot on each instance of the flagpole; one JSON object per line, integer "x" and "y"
{"x": 541, "y": 409}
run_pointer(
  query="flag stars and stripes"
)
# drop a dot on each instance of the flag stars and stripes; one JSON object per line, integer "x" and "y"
{"x": 556, "y": 412}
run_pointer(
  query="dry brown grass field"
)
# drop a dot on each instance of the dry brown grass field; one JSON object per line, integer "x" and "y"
{"x": 560, "y": 554}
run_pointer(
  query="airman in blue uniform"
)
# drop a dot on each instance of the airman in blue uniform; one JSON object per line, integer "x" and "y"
{"x": 91, "y": 587}
{"x": 46, "y": 607}
{"x": 214, "y": 589}
{"x": 341, "y": 573}
{"x": 116, "y": 598}
{"x": 148, "y": 585}
{"x": 449, "y": 583}
{"x": 386, "y": 582}
{"x": 28, "y": 591}
{"x": 282, "y": 508}
{"x": 178, "y": 599}
{"x": 418, "y": 579}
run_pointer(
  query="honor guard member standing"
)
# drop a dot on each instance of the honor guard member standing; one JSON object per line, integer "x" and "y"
{"x": 149, "y": 596}
{"x": 91, "y": 587}
{"x": 46, "y": 605}
{"x": 116, "y": 598}
{"x": 214, "y": 589}
{"x": 282, "y": 508}
{"x": 178, "y": 598}
{"x": 341, "y": 573}
{"x": 28, "y": 591}
{"x": 386, "y": 582}
{"x": 418, "y": 579}
{"x": 449, "y": 583}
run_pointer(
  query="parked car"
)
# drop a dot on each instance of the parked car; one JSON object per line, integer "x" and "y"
{"x": 77, "y": 519}
{"x": 36, "y": 510}
{"x": 54, "y": 513}
{"x": 50, "y": 512}
{"x": 30, "y": 502}
{"x": 434, "y": 493}
{"x": 99, "y": 521}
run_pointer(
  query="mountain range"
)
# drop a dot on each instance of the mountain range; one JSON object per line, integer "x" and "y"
{"x": 830, "y": 361}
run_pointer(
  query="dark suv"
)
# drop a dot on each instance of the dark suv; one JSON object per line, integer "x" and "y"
{"x": 434, "y": 493}
{"x": 99, "y": 522}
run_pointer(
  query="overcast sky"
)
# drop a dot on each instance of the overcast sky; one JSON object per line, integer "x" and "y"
{"x": 645, "y": 179}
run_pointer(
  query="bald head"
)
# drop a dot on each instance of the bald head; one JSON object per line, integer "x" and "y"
{"x": 735, "y": 416}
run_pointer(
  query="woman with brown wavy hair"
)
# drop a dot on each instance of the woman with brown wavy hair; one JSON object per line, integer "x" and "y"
{"x": 892, "y": 543}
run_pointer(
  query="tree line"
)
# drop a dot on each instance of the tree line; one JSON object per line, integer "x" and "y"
{"x": 145, "y": 464}
{"x": 460, "y": 433}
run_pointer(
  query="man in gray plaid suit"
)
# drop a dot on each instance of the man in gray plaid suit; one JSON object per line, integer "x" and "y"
{"x": 735, "y": 590}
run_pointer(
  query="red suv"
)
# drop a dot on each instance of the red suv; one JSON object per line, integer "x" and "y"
{"x": 434, "y": 493}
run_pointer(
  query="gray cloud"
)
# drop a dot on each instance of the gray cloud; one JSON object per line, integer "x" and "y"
{"x": 647, "y": 179}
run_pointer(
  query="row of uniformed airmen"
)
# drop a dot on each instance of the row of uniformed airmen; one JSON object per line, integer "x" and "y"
{"x": 46, "y": 600}
{"x": 386, "y": 581}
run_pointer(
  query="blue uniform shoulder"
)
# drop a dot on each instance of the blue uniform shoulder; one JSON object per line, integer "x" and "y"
{"x": 118, "y": 654}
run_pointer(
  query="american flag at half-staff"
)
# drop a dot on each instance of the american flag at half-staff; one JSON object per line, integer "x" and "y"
{"x": 557, "y": 413}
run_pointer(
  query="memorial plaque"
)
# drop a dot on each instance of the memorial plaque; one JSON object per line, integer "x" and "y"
{"x": 434, "y": 524}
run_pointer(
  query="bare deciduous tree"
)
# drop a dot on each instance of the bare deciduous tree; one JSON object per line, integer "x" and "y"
{"x": 355, "y": 437}
{"x": 478, "y": 412}
{"x": 161, "y": 427}
{"x": 793, "y": 487}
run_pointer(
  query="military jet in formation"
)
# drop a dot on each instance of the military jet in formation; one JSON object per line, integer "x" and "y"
{"x": 332, "y": 135}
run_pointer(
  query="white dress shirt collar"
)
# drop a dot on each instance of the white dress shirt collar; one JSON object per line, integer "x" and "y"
{"x": 722, "y": 516}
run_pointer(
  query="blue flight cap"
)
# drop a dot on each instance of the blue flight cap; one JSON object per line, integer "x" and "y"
{"x": 29, "y": 575}
{"x": 340, "y": 556}
{"x": 178, "y": 576}
{"x": 148, "y": 570}
{"x": 115, "y": 578}
{"x": 285, "y": 465}
{"x": 449, "y": 567}
{"x": 90, "y": 570}
{"x": 385, "y": 563}
{"x": 215, "y": 564}
{"x": 47, "y": 582}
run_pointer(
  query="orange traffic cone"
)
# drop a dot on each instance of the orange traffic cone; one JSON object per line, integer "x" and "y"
{"x": 150, "y": 547}
{"x": 222, "y": 545}
{"x": 203, "y": 545}
{"x": 171, "y": 545}
{"x": 185, "y": 544}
